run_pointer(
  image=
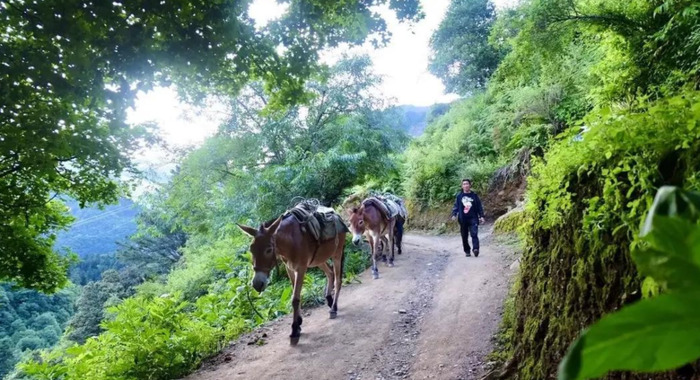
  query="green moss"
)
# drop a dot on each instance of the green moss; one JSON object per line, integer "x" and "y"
{"x": 506, "y": 331}
{"x": 586, "y": 203}
{"x": 513, "y": 221}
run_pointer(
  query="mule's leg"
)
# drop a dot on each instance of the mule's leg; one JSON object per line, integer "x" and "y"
{"x": 329, "y": 282}
{"x": 383, "y": 241}
{"x": 290, "y": 273}
{"x": 338, "y": 271}
{"x": 296, "y": 305}
{"x": 372, "y": 247}
{"x": 391, "y": 242}
{"x": 398, "y": 236}
{"x": 292, "y": 278}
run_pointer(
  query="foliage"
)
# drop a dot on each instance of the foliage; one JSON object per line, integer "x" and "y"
{"x": 30, "y": 320}
{"x": 155, "y": 247}
{"x": 456, "y": 146}
{"x": 94, "y": 298}
{"x": 462, "y": 55}
{"x": 586, "y": 202}
{"x": 71, "y": 72}
{"x": 659, "y": 333}
{"x": 250, "y": 170}
{"x": 510, "y": 222}
{"x": 90, "y": 268}
{"x": 165, "y": 335}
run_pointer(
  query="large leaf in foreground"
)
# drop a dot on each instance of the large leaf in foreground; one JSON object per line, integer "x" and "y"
{"x": 656, "y": 334}
{"x": 672, "y": 257}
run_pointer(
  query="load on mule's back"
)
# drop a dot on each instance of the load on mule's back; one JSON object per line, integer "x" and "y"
{"x": 306, "y": 236}
{"x": 380, "y": 218}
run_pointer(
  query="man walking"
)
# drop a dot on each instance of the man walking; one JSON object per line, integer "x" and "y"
{"x": 470, "y": 213}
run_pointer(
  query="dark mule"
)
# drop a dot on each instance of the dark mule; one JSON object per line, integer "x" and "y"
{"x": 373, "y": 222}
{"x": 398, "y": 232}
{"x": 299, "y": 251}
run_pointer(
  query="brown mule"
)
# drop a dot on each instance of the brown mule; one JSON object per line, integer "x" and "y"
{"x": 299, "y": 251}
{"x": 371, "y": 221}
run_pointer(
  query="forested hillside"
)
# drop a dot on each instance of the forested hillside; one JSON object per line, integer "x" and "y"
{"x": 97, "y": 231}
{"x": 31, "y": 320}
{"x": 416, "y": 118}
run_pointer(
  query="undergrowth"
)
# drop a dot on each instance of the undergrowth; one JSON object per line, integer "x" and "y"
{"x": 587, "y": 199}
{"x": 164, "y": 336}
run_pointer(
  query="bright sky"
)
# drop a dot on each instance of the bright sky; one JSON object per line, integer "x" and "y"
{"x": 403, "y": 64}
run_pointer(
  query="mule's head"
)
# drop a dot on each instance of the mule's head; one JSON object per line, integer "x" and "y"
{"x": 263, "y": 251}
{"x": 357, "y": 224}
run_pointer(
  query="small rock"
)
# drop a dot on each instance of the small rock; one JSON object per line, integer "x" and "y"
{"x": 402, "y": 311}
{"x": 264, "y": 335}
{"x": 515, "y": 265}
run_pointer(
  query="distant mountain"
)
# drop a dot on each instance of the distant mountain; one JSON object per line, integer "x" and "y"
{"x": 416, "y": 118}
{"x": 96, "y": 231}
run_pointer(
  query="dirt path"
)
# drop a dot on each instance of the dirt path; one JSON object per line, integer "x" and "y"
{"x": 431, "y": 316}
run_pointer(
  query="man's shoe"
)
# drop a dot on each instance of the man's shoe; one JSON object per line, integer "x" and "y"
{"x": 476, "y": 253}
{"x": 468, "y": 254}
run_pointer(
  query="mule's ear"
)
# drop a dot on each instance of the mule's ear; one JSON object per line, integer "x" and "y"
{"x": 249, "y": 230}
{"x": 274, "y": 226}
{"x": 350, "y": 211}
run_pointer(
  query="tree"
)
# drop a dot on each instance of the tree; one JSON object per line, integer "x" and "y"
{"x": 31, "y": 342}
{"x": 30, "y": 314}
{"x": 89, "y": 313}
{"x": 70, "y": 71}
{"x": 437, "y": 110}
{"x": 7, "y": 360}
{"x": 155, "y": 247}
{"x": 90, "y": 306}
{"x": 259, "y": 161}
{"x": 43, "y": 321}
{"x": 462, "y": 56}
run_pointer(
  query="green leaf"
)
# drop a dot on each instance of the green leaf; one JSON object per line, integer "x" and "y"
{"x": 655, "y": 334}
{"x": 672, "y": 201}
{"x": 673, "y": 255}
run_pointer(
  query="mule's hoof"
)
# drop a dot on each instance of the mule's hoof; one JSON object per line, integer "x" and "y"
{"x": 333, "y": 314}
{"x": 375, "y": 275}
{"x": 293, "y": 340}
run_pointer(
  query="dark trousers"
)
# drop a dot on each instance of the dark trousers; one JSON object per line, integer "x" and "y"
{"x": 466, "y": 228}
